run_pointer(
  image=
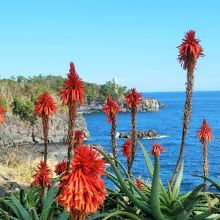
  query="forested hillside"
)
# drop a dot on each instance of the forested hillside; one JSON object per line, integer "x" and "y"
{"x": 18, "y": 95}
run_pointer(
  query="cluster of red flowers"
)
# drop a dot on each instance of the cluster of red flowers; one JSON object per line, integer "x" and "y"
{"x": 205, "y": 133}
{"x": 73, "y": 88}
{"x": 45, "y": 105}
{"x": 2, "y": 111}
{"x": 111, "y": 108}
{"x": 60, "y": 167}
{"x": 42, "y": 175}
{"x": 126, "y": 148}
{"x": 190, "y": 50}
{"x": 82, "y": 190}
{"x": 157, "y": 148}
{"x": 78, "y": 138}
{"x": 133, "y": 98}
{"x": 139, "y": 184}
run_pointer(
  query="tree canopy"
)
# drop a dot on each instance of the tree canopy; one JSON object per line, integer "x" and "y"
{"x": 18, "y": 94}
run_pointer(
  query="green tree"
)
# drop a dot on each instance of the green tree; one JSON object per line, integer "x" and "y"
{"x": 21, "y": 79}
{"x": 112, "y": 88}
{"x": 91, "y": 92}
{"x": 24, "y": 109}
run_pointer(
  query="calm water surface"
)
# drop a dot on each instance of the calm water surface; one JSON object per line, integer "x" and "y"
{"x": 168, "y": 122}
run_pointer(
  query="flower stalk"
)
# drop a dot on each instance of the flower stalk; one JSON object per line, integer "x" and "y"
{"x": 45, "y": 107}
{"x": 111, "y": 109}
{"x": 132, "y": 100}
{"x": 205, "y": 136}
{"x": 71, "y": 94}
{"x": 189, "y": 52}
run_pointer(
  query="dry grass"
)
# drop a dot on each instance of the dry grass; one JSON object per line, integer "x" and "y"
{"x": 19, "y": 167}
{"x": 24, "y": 170}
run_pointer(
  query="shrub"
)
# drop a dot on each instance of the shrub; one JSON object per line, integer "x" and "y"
{"x": 23, "y": 109}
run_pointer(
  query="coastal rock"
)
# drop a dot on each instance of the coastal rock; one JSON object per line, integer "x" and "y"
{"x": 8, "y": 188}
{"x": 147, "y": 105}
{"x": 150, "y": 105}
{"x": 150, "y": 134}
{"x": 15, "y": 131}
{"x": 86, "y": 109}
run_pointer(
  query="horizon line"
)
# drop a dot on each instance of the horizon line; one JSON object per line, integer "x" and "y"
{"x": 180, "y": 91}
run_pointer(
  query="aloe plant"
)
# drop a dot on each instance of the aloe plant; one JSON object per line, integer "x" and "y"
{"x": 216, "y": 185}
{"x": 13, "y": 208}
{"x": 157, "y": 202}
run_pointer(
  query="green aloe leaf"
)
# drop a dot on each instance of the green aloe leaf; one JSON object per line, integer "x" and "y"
{"x": 183, "y": 211}
{"x": 155, "y": 191}
{"x": 141, "y": 194}
{"x": 173, "y": 193}
{"x": 9, "y": 204}
{"x": 120, "y": 178}
{"x": 48, "y": 202}
{"x": 23, "y": 199}
{"x": 118, "y": 213}
{"x": 63, "y": 216}
{"x": 34, "y": 214}
{"x": 177, "y": 185}
{"x": 23, "y": 214}
{"x": 4, "y": 213}
{"x": 211, "y": 181}
{"x": 147, "y": 159}
{"x": 204, "y": 215}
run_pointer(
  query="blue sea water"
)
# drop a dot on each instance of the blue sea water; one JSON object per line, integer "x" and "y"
{"x": 168, "y": 122}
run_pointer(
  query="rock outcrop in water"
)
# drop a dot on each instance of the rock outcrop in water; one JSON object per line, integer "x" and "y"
{"x": 147, "y": 105}
{"x": 15, "y": 131}
{"x": 150, "y": 134}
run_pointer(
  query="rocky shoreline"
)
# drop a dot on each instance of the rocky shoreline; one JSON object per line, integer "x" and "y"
{"x": 15, "y": 131}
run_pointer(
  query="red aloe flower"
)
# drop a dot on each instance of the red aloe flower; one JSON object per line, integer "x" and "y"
{"x": 45, "y": 105}
{"x": 190, "y": 50}
{"x": 78, "y": 139}
{"x": 73, "y": 88}
{"x": 126, "y": 148}
{"x": 2, "y": 111}
{"x": 111, "y": 108}
{"x": 42, "y": 175}
{"x": 133, "y": 98}
{"x": 157, "y": 149}
{"x": 60, "y": 167}
{"x": 205, "y": 133}
{"x": 82, "y": 191}
{"x": 139, "y": 184}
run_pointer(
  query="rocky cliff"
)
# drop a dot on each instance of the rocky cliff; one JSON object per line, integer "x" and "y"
{"x": 15, "y": 131}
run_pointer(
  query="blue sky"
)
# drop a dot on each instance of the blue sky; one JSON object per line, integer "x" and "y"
{"x": 133, "y": 40}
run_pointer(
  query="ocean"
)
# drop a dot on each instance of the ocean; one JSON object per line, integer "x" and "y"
{"x": 168, "y": 123}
